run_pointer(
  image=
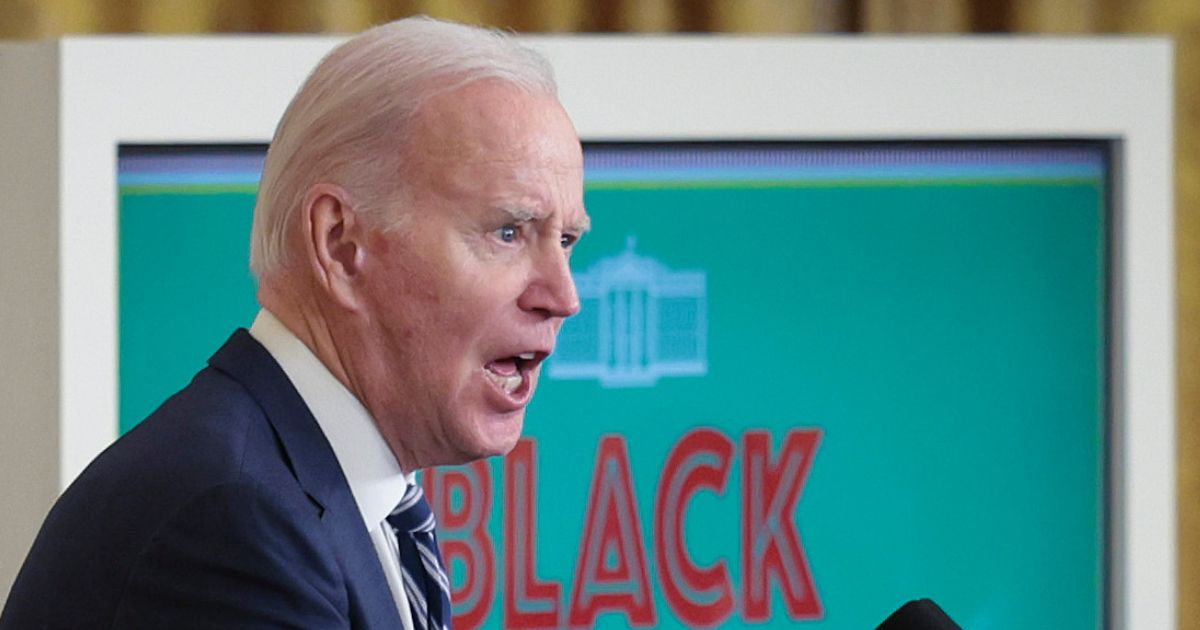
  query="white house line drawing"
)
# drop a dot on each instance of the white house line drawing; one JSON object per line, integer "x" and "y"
{"x": 640, "y": 321}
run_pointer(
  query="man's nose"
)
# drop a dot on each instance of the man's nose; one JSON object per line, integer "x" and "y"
{"x": 551, "y": 290}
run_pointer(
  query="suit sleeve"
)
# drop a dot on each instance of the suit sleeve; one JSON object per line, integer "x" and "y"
{"x": 235, "y": 557}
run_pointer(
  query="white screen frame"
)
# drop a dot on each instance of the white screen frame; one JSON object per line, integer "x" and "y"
{"x": 231, "y": 90}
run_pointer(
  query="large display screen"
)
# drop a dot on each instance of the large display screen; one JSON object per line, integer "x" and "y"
{"x": 810, "y": 381}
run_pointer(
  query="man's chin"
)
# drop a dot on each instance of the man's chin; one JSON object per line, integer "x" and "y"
{"x": 481, "y": 436}
{"x": 499, "y": 435}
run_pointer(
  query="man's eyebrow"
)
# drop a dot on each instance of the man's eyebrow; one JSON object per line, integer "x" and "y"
{"x": 583, "y": 226}
{"x": 520, "y": 214}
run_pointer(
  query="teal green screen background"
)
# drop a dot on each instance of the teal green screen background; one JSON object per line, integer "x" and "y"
{"x": 185, "y": 284}
{"x": 947, "y": 336}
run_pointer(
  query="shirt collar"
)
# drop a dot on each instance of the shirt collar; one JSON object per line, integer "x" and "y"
{"x": 374, "y": 475}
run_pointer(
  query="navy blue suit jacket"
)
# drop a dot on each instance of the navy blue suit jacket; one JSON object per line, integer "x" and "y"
{"x": 226, "y": 508}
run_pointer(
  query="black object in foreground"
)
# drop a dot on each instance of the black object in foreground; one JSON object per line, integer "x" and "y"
{"x": 920, "y": 614}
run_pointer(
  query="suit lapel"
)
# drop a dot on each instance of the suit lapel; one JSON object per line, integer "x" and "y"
{"x": 315, "y": 466}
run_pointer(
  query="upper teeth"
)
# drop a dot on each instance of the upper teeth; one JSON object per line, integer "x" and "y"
{"x": 528, "y": 356}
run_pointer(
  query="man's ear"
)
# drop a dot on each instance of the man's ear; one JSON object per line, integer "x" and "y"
{"x": 334, "y": 239}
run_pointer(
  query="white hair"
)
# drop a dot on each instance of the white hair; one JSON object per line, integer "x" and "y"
{"x": 347, "y": 124}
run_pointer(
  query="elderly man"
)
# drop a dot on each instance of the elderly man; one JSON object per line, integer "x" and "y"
{"x": 417, "y": 211}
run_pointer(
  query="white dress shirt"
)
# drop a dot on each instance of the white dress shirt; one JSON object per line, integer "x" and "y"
{"x": 375, "y": 478}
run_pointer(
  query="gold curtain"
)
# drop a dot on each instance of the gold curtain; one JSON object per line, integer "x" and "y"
{"x": 28, "y": 19}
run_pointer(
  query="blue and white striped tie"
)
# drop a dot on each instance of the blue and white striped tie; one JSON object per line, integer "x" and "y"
{"x": 425, "y": 581}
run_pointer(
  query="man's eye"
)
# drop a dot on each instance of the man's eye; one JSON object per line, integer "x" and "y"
{"x": 568, "y": 240}
{"x": 508, "y": 233}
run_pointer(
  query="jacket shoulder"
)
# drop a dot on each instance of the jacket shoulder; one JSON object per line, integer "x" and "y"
{"x": 204, "y": 449}
{"x": 244, "y": 556}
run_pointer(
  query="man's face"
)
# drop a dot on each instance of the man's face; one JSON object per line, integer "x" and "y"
{"x": 463, "y": 301}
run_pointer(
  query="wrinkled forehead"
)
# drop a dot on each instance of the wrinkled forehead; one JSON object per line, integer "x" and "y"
{"x": 493, "y": 120}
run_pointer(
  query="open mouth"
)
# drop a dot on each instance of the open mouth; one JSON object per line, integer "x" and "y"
{"x": 511, "y": 374}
